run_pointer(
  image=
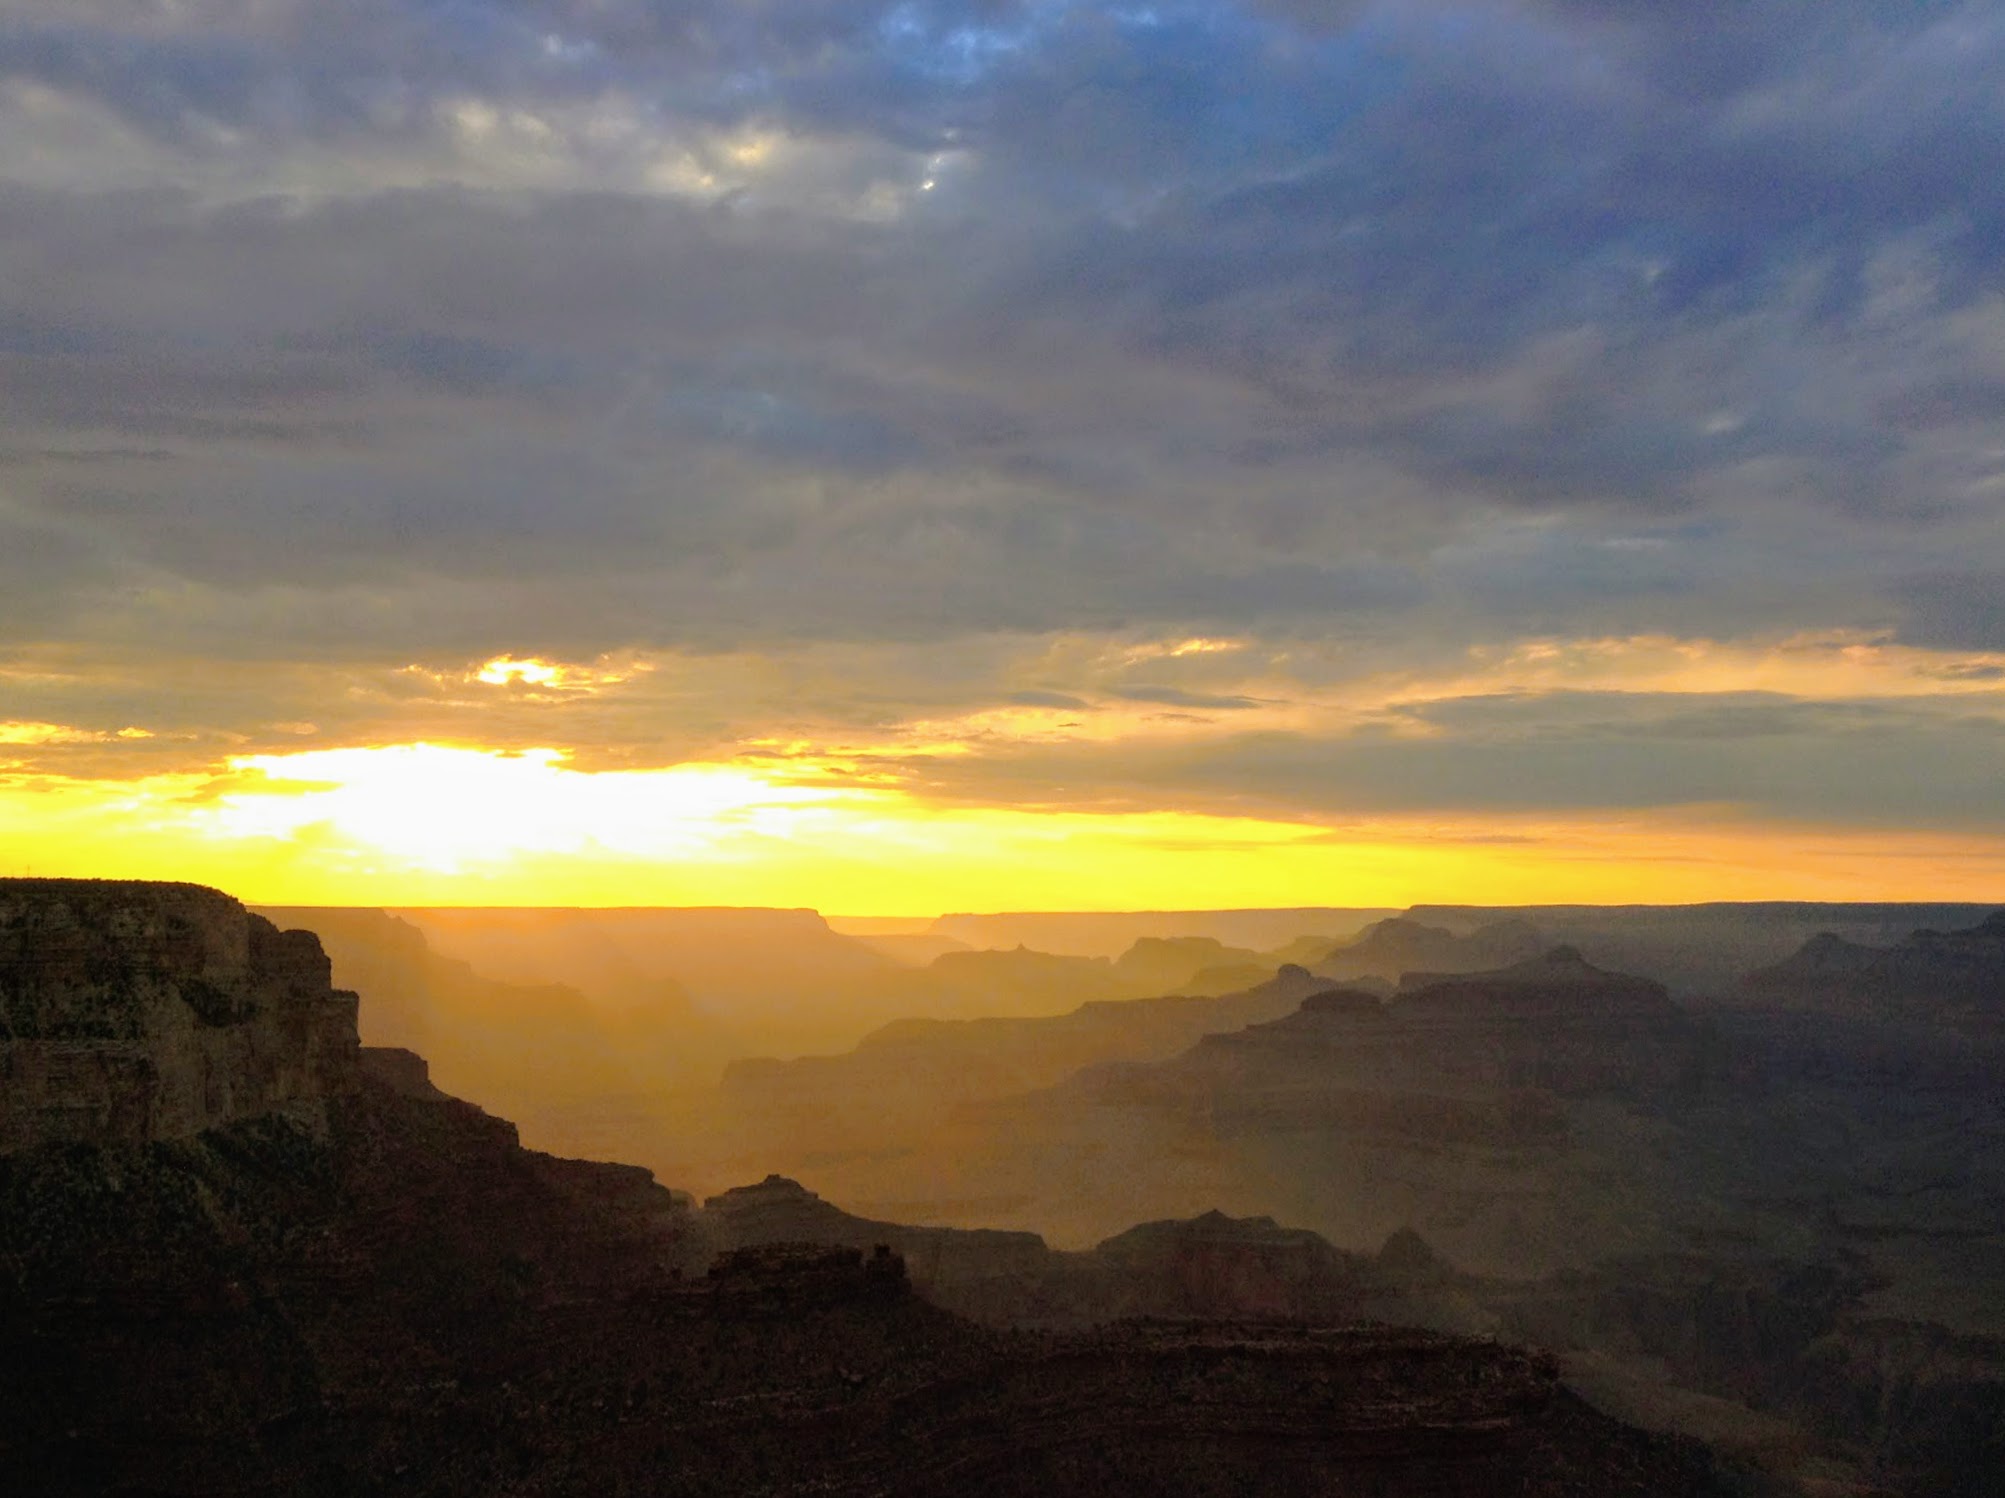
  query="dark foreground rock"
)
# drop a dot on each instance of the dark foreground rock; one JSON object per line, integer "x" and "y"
{"x": 412, "y": 1303}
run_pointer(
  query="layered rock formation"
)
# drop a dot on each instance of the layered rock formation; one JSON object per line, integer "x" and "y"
{"x": 1470, "y": 1057}
{"x": 1819, "y": 1391}
{"x": 1011, "y": 983}
{"x": 131, "y": 1013}
{"x": 1701, "y": 951}
{"x": 1780, "y": 1228}
{"x": 916, "y": 1074}
{"x": 386, "y": 1293}
{"x": 1211, "y": 1266}
{"x": 1820, "y": 960}
{"x": 1394, "y": 947}
{"x": 1942, "y": 977}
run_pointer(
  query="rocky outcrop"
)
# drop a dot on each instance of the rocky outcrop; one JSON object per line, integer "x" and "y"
{"x": 1957, "y": 977}
{"x": 785, "y": 1279}
{"x": 1014, "y": 982}
{"x": 1557, "y": 984}
{"x": 1555, "y": 1023}
{"x": 1515, "y": 1118}
{"x": 1211, "y": 1265}
{"x": 1184, "y": 1408}
{"x": 1819, "y": 960}
{"x": 131, "y": 1013}
{"x": 1400, "y": 945}
{"x": 779, "y": 1210}
{"x": 402, "y": 1071}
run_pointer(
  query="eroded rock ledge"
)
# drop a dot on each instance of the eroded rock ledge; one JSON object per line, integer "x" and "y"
{"x": 132, "y": 1013}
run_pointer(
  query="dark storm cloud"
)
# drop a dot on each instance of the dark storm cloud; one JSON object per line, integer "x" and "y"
{"x": 422, "y": 329}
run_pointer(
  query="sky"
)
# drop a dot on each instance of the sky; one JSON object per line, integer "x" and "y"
{"x": 980, "y": 455}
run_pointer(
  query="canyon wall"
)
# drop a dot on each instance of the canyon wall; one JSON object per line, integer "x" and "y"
{"x": 131, "y": 1013}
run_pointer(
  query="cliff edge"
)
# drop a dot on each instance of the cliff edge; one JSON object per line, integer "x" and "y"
{"x": 132, "y": 1013}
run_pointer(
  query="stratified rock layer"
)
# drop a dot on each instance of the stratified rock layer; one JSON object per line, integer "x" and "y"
{"x": 131, "y": 1013}
{"x": 385, "y": 1293}
{"x": 1453, "y": 1057}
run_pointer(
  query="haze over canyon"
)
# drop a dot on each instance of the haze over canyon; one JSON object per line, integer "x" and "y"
{"x": 876, "y": 747}
{"x": 1751, "y": 1231}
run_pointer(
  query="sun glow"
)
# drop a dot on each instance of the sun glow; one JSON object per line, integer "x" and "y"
{"x": 446, "y": 809}
{"x": 555, "y": 676}
{"x": 500, "y": 671}
{"x": 41, "y": 735}
{"x": 434, "y": 824}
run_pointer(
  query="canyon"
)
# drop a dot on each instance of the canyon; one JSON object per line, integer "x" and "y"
{"x": 337, "y": 1278}
{"x": 1754, "y": 1233}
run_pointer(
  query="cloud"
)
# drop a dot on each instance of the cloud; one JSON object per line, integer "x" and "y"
{"x": 1180, "y": 697}
{"x": 1766, "y": 759}
{"x": 1049, "y": 699}
{"x": 1955, "y": 610}
{"x": 418, "y": 333}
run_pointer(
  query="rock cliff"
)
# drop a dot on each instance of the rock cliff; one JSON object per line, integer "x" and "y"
{"x": 279, "y": 1266}
{"x": 131, "y": 1013}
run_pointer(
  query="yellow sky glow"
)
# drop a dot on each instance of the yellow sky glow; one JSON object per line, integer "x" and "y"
{"x": 423, "y": 824}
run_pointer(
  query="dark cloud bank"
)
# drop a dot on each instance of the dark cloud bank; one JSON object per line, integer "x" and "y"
{"x": 420, "y": 331}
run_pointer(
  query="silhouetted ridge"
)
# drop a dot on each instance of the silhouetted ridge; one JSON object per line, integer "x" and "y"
{"x": 385, "y": 1292}
{"x": 1343, "y": 1002}
{"x": 919, "y": 1074}
{"x": 1406, "y": 1254}
{"x": 1702, "y": 950}
{"x": 1401, "y": 944}
{"x": 1956, "y": 977}
{"x": 1558, "y": 982}
{"x": 1452, "y": 1061}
